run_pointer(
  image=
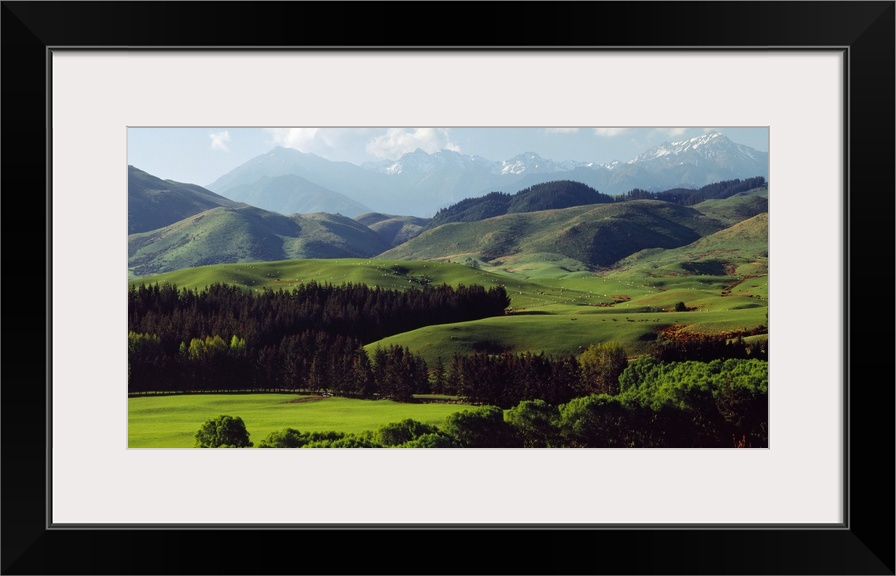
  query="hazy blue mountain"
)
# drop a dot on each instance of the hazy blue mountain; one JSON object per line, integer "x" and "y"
{"x": 292, "y": 194}
{"x": 421, "y": 183}
{"x": 358, "y": 184}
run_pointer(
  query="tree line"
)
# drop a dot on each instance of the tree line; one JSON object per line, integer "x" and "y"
{"x": 225, "y": 338}
{"x": 506, "y": 379}
{"x": 718, "y": 404}
{"x": 320, "y": 361}
{"x": 363, "y": 312}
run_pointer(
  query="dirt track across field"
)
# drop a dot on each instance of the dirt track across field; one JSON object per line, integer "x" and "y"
{"x": 304, "y": 399}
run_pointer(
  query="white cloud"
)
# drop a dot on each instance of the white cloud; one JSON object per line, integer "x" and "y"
{"x": 398, "y": 141}
{"x": 672, "y": 131}
{"x": 610, "y": 131}
{"x": 337, "y": 144}
{"x": 301, "y": 139}
{"x": 561, "y": 130}
{"x": 220, "y": 140}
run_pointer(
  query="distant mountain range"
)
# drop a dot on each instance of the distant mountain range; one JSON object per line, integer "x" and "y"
{"x": 292, "y": 194}
{"x": 420, "y": 183}
{"x": 289, "y": 205}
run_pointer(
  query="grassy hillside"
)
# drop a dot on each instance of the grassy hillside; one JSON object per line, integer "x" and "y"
{"x": 154, "y": 203}
{"x": 393, "y": 229}
{"x": 559, "y": 303}
{"x": 736, "y": 208}
{"x": 566, "y": 331}
{"x": 394, "y": 275}
{"x": 554, "y": 311}
{"x": 594, "y": 235}
{"x": 248, "y": 234}
{"x": 741, "y": 249}
{"x": 630, "y": 304}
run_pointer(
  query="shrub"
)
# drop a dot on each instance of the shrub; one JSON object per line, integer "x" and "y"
{"x": 287, "y": 438}
{"x": 223, "y": 432}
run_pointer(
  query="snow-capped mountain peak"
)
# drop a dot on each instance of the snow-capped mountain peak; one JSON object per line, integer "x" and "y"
{"x": 703, "y": 145}
{"x": 525, "y": 162}
{"x": 421, "y": 162}
{"x": 532, "y": 163}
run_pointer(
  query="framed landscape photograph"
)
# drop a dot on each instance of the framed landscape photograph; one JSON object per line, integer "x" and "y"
{"x": 444, "y": 299}
{"x": 554, "y": 271}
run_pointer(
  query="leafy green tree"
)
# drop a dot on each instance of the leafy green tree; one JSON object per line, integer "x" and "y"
{"x": 396, "y": 433}
{"x": 481, "y": 428}
{"x": 433, "y": 440}
{"x": 596, "y": 421}
{"x": 534, "y": 421}
{"x": 702, "y": 403}
{"x": 223, "y": 432}
{"x": 602, "y": 364}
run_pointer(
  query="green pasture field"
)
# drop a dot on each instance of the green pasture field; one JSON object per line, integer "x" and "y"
{"x": 172, "y": 421}
{"x": 569, "y": 331}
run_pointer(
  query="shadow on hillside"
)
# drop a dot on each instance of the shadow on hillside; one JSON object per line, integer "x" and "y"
{"x": 531, "y": 313}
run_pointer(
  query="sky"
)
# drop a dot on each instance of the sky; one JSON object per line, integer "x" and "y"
{"x": 201, "y": 155}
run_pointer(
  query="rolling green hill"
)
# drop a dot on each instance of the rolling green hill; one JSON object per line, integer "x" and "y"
{"x": 393, "y": 275}
{"x": 595, "y": 235}
{"x": 565, "y": 332}
{"x": 562, "y": 298}
{"x": 721, "y": 278}
{"x": 741, "y": 249}
{"x": 154, "y": 203}
{"x": 393, "y": 229}
{"x": 248, "y": 234}
{"x": 559, "y": 313}
{"x": 736, "y": 208}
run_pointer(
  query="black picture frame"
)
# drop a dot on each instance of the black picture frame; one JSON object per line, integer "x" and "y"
{"x": 863, "y": 545}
